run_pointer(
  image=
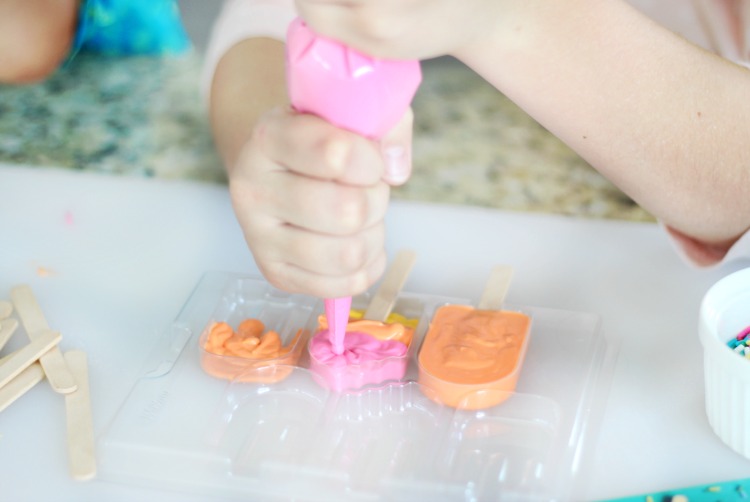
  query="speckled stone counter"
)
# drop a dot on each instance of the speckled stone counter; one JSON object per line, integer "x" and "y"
{"x": 137, "y": 116}
{"x": 143, "y": 116}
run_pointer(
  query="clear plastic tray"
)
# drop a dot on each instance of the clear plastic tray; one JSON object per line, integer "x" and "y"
{"x": 290, "y": 438}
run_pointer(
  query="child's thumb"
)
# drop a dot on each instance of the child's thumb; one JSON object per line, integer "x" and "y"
{"x": 396, "y": 149}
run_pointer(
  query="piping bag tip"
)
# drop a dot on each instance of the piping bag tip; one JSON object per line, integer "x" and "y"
{"x": 337, "y": 316}
{"x": 353, "y": 91}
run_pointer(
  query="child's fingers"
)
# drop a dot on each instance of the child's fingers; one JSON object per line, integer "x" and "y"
{"x": 311, "y": 201}
{"x": 396, "y": 150}
{"x": 324, "y": 254}
{"x": 331, "y": 208}
{"x": 309, "y": 145}
{"x": 274, "y": 240}
{"x": 325, "y": 207}
{"x": 290, "y": 278}
{"x": 376, "y": 28}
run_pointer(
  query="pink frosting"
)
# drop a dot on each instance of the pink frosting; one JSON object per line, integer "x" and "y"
{"x": 359, "y": 348}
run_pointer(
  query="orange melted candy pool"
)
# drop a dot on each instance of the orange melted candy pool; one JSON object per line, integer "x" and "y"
{"x": 251, "y": 340}
{"x": 231, "y": 354}
{"x": 382, "y": 331}
{"x": 468, "y": 350}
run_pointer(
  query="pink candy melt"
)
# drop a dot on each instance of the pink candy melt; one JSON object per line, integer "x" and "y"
{"x": 349, "y": 89}
{"x": 365, "y": 360}
{"x": 359, "y": 348}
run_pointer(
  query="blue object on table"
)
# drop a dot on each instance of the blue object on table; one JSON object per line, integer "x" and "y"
{"x": 728, "y": 491}
{"x": 126, "y": 27}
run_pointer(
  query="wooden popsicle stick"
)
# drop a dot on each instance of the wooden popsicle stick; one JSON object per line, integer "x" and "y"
{"x": 381, "y": 304}
{"x": 6, "y": 309}
{"x": 16, "y": 362}
{"x": 28, "y": 309}
{"x": 496, "y": 288}
{"x": 7, "y": 328}
{"x": 32, "y": 318}
{"x": 21, "y": 384}
{"x": 80, "y": 424}
{"x": 24, "y": 357}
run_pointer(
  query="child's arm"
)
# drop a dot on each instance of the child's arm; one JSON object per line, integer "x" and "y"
{"x": 248, "y": 81}
{"x": 664, "y": 120}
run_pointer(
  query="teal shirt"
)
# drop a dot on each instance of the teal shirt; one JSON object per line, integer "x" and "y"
{"x": 125, "y": 27}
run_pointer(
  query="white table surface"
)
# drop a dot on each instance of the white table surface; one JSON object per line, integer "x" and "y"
{"x": 123, "y": 254}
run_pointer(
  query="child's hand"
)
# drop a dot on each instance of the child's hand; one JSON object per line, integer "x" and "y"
{"x": 311, "y": 199}
{"x": 403, "y": 29}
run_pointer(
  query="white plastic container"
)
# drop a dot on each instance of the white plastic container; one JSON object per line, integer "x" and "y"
{"x": 725, "y": 311}
{"x": 291, "y": 438}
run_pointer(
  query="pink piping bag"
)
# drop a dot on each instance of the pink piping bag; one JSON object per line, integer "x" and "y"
{"x": 350, "y": 90}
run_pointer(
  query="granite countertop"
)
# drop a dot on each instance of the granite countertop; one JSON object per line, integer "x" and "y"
{"x": 143, "y": 116}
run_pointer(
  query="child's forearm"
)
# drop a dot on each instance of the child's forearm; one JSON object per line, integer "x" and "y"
{"x": 664, "y": 120}
{"x": 249, "y": 80}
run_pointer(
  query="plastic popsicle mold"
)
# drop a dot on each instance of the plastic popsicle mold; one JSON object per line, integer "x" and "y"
{"x": 259, "y": 437}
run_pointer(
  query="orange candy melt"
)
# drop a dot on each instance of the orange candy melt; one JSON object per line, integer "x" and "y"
{"x": 471, "y": 358}
{"x": 248, "y": 341}
{"x": 381, "y": 331}
{"x": 250, "y": 353}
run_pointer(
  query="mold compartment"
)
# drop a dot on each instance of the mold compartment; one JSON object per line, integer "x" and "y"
{"x": 291, "y": 316}
{"x": 330, "y": 443}
{"x": 341, "y": 377}
{"x": 471, "y": 359}
{"x": 510, "y": 446}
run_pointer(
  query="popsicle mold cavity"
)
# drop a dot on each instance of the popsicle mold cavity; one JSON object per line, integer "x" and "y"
{"x": 251, "y": 340}
{"x": 470, "y": 358}
{"x": 231, "y": 354}
{"x": 374, "y": 352}
{"x": 347, "y": 88}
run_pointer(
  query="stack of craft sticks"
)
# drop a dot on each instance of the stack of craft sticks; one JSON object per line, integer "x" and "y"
{"x": 41, "y": 358}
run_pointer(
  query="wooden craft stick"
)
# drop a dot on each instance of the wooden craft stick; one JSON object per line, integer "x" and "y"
{"x": 24, "y": 357}
{"x": 32, "y": 318}
{"x": 7, "y": 328}
{"x": 496, "y": 288}
{"x": 6, "y": 309}
{"x": 81, "y": 449}
{"x": 21, "y": 384}
{"x": 28, "y": 309}
{"x": 381, "y": 304}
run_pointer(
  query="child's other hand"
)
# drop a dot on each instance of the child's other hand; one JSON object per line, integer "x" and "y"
{"x": 311, "y": 200}
{"x": 403, "y": 29}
